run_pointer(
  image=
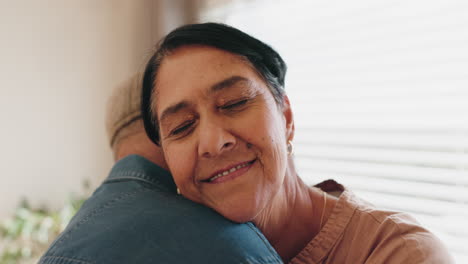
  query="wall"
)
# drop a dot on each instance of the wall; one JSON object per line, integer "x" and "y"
{"x": 59, "y": 63}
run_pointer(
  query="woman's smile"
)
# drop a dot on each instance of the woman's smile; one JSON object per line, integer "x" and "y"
{"x": 229, "y": 173}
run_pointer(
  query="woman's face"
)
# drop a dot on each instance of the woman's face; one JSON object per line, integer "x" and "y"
{"x": 223, "y": 136}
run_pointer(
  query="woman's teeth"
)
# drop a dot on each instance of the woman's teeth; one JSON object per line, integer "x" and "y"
{"x": 226, "y": 172}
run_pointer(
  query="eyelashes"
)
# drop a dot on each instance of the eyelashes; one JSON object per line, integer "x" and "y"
{"x": 234, "y": 105}
{"x": 187, "y": 126}
{"x": 182, "y": 128}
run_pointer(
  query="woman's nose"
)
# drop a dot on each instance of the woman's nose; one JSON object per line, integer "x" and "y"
{"x": 215, "y": 139}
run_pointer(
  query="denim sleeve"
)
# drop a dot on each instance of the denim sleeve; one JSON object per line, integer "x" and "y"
{"x": 62, "y": 260}
{"x": 128, "y": 222}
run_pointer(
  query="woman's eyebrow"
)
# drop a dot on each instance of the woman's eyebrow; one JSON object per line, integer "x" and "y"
{"x": 226, "y": 83}
{"x": 173, "y": 109}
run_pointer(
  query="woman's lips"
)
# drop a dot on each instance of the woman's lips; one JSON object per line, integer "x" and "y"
{"x": 230, "y": 172}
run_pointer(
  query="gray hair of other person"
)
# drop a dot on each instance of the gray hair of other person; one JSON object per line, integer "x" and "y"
{"x": 123, "y": 115}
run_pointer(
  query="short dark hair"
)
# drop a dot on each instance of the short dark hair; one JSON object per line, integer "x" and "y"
{"x": 266, "y": 61}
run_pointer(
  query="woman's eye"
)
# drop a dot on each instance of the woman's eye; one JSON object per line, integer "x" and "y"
{"x": 234, "y": 104}
{"x": 184, "y": 127}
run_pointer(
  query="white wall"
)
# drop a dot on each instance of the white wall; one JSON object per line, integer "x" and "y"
{"x": 59, "y": 62}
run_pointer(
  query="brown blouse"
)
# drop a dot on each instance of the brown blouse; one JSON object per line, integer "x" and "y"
{"x": 357, "y": 232}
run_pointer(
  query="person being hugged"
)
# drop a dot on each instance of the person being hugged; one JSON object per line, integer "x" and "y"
{"x": 213, "y": 98}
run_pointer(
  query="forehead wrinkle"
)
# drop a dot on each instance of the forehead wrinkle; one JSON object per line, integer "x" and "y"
{"x": 217, "y": 87}
{"x": 227, "y": 83}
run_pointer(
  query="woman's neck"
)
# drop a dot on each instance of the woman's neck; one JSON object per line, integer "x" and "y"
{"x": 292, "y": 219}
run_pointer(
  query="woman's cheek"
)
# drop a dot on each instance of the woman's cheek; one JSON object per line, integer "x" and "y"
{"x": 177, "y": 168}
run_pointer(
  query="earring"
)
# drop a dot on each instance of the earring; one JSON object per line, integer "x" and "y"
{"x": 178, "y": 191}
{"x": 290, "y": 148}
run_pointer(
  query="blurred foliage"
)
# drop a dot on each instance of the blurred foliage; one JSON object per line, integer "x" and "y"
{"x": 26, "y": 235}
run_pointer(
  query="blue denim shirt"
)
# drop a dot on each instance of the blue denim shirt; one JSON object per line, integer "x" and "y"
{"x": 135, "y": 216}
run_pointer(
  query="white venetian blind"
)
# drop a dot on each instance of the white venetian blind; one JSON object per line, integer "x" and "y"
{"x": 380, "y": 95}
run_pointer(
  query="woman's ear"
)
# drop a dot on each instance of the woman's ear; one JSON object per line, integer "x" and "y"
{"x": 289, "y": 118}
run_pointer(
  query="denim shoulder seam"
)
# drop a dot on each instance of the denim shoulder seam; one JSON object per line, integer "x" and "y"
{"x": 131, "y": 178}
{"x": 133, "y": 175}
{"x": 62, "y": 260}
{"x": 95, "y": 211}
{"x": 264, "y": 260}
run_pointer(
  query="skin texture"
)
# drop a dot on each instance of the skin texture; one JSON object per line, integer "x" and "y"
{"x": 215, "y": 112}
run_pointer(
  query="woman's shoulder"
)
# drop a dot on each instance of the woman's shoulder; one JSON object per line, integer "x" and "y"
{"x": 391, "y": 236}
{"x": 369, "y": 234}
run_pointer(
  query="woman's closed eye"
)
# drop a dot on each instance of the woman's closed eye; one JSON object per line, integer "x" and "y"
{"x": 185, "y": 127}
{"x": 234, "y": 105}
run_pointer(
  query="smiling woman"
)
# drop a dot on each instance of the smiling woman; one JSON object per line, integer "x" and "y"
{"x": 213, "y": 99}
{"x": 221, "y": 130}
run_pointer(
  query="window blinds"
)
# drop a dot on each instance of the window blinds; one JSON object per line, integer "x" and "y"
{"x": 379, "y": 90}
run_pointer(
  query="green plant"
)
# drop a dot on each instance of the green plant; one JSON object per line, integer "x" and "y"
{"x": 27, "y": 234}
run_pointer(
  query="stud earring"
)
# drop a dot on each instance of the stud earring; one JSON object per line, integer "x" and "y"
{"x": 178, "y": 191}
{"x": 290, "y": 148}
